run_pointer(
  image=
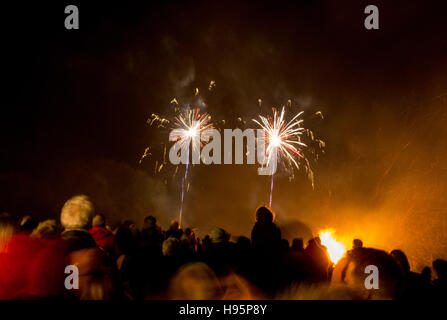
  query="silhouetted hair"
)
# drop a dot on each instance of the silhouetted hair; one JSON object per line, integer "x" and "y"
{"x": 426, "y": 274}
{"x": 99, "y": 221}
{"x": 125, "y": 242}
{"x": 47, "y": 228}
{"x": 440, "y": 267}
{"x": 170, "y": 247}
{"x": 297, "y": 244}
{"x": 7, "y": 228}
{"x": 357, "y": 243}
{"x": 401, "y": 259}
{"x": 151, "y": 219}
{"x": 174, "y": 225}
{"x": 265, "y": 214}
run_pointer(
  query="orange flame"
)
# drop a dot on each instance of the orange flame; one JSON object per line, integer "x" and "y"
{"x": 335, "y": 249}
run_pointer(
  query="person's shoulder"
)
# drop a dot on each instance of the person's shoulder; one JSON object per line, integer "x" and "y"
{"x": 257, "y": 225}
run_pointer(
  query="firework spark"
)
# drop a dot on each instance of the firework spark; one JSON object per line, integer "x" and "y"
{"x": 189, "y": 126}
{"x": 283, "y": 138}
{"x": 283, "y": 141}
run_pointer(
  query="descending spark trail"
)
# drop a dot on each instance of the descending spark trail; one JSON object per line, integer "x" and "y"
{"x": 183, "y": 188}
{"x": 190, "y": 126}
{"x": 271, "y": 184}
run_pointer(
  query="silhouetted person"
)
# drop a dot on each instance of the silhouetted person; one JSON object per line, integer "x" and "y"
{"x": 426, "y": 282}
{"x": 127, "y": 263}
{"x": 104, "y": 238}
{"x": 297, "y": 245}
{"x": 151, "y": 237}
{"x": 97, "y": 275}
{"x": 266, "y": 243}
{"x": 220, "y": 255}
{"x": 440, "y": 283}
{"x": 265, "y": 235}
{"x": 413, "y": 285}
{"x": 195, "y": 281}
{"x": 174, "y": 230}
{"x": 46, "y": 229}
{"x": 30, "y": 267}
{"x": 7, "y": 229}
{"x": 243, "y": 256}
{"x": 426, "y": 274}
{"x": 284, "y": 246}
{"x": 350, "y": 272}
{"x": 295, "y": 262}
{"x": 190, "y": 237}
{"x": 357, "y": 243}
{"x": 187, "y": 245}
{"x": 129, "y": 224}
{"x": 205, "y": 245}
{"x": 319, "y": 258}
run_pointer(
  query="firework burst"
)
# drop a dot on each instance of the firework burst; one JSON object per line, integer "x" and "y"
{"x": 282, "y": 138}
{"x": 284, "y": 143}
{"x": 189, "y": 126}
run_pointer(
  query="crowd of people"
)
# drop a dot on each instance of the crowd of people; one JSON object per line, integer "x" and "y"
{"x": 151, "y": 263}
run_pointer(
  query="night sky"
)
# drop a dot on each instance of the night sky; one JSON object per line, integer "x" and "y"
{"x": 75, "y": 105}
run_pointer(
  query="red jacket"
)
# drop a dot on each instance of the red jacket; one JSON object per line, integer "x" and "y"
{"x": 32, "y": 267}
{"x": 103, "y": 237}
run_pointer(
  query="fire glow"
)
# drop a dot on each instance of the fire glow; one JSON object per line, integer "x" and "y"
{"x": 335, "y": 249}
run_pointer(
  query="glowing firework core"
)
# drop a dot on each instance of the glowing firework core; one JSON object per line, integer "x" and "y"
{"x": 192, "y": 132}
{"x": 335, "y": 249}
{"x": 283, "y": 136}
{"x": 275, "y": 141}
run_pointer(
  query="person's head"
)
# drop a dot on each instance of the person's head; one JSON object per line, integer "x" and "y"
{"x": 96, "y": 281}
{"x": 150, "y": 222}
{"x": 401, "y": 259}
{"x": 315, "y": 241}
{"x": 350, "y": 272}
{"x": 77, "y": 213}
{"x": 46, "y": 229}
{"x": 265, "y": 214}
{"x": 243, "y": 243}
{"x": 124, "y": 241}
{"x": 426, "y": 274}
{"x": 357, "y": 243}
{"x": 219, "y": 235}
{"x": 440, "y": 267}
{"x": 7, "y": 228}
{"x": 284, "y": 244}
{"x": 170, "y": 247}
{"x": 99, "y": 221}
{"x": 195, "y": 281}
{"x": 297, "y": 244}
{"x": 129, "y": 224}
{"x": 174, "y": 225}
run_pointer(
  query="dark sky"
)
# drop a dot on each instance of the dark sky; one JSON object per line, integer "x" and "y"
{"x": 75, "y": 104}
